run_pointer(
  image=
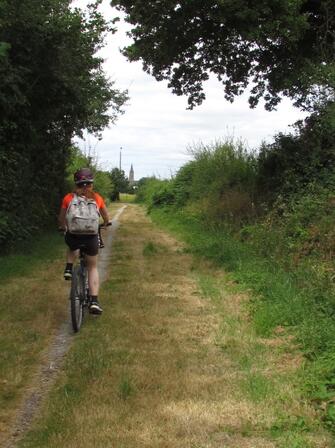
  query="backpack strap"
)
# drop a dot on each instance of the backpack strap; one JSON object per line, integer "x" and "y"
{"x": 73, "y": 196}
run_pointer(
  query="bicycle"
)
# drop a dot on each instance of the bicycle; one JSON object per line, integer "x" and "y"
{"x": 79, "y": 292}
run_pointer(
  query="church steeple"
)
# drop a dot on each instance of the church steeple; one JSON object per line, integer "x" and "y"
{"x": 131, "y": 175}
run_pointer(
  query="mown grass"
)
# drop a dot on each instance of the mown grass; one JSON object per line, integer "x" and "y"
{"x": 128, "y": 198}
{"x": 159, "y": 369}
{"x": 269, "y": 369}
{"x": 33, "y": 304}
{"x": 175, "y": 361}
{"x": 149, "y": 249}
{"x": 293, "y": 302}
{"x": 45, "y": 248}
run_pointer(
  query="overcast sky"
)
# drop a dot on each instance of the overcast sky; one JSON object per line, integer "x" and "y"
{"x": 156, "y": 129}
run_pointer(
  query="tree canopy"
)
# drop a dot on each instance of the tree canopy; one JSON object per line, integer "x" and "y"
{"x": 52, "y": 86}
{"x": 277, "y": 47}
{"x": 120, "y": 183}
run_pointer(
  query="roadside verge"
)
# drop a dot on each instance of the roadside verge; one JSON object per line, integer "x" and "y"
{"x": 174, "y": 361}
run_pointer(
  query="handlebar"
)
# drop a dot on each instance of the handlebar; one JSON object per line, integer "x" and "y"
{"x": 105, "y": 225}
{"x": 102, "y": 226}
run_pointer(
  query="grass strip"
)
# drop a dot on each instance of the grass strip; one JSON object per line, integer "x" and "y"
{"x": 45, "y": 248}
{"x": 33, "y": 304}
{"x": 161, "y": 368}
{"x": 292, "y": 302}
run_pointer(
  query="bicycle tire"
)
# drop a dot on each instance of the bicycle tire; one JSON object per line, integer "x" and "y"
{"x": 76, "y": 299}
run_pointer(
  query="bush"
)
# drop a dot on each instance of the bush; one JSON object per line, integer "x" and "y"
{"x": 297, "y": 159}
{"x": 299, "y": 227}
{"x": 183, "y": 184}
{"x": 102, "y": 181}
{"x": 155, "y": 192}
{"x": 52, "y": 87}
{"x": 219, "y": 183}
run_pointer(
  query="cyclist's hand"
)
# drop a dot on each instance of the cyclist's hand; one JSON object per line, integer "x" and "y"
{"x": 61, "y": 230}
{"x": 107, "y": 224}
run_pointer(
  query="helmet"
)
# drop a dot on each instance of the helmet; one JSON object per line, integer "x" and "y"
{"x": 82, "y": 176}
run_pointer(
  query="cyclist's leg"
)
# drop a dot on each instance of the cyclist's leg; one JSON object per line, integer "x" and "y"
{"x": 93, "y": 283}
{"x": 71, "y": 254}
{"x": 93, "y": 274}
{"x": 91, "y": 250}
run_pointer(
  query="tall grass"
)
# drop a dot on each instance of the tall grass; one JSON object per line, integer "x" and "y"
{"x": 218, "y": 185}
{"x": 126, "y": 197}
{"x": 282, "y": 300}
{"x": 29, "y": 256}
{"x": 283, "y": 249}
{"x": 33, "y": 304}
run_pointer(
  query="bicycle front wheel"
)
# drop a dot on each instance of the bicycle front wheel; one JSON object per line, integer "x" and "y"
{"x": 76, "y": 299}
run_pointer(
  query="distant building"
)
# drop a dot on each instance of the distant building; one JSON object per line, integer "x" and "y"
{"x": 131, "y": 177}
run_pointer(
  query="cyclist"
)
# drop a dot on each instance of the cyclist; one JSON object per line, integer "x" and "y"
{"x": 83, "y": 179}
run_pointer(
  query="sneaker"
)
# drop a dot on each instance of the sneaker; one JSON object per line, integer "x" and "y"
{"x": 94, "y": 307}
{"x": 68, "y": 274}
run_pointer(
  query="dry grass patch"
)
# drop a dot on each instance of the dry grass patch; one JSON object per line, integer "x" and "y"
{"x": 173, "y": 361}
{"x": 32, "y": 308}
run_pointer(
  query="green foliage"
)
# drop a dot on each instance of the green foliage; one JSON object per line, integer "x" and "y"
{"x": 268, "y": 219}
{"x": 280, "y": 47}
{"x": 145, "y": 185}
{"x": 103, "y": 184}
{"x": 299, "y": 228}
{"x": 222, "y": 182}
{"x": 291, "y": 301}
{"x": 52, "y": 87}
{"x": 155, "y": 192}
{"x": 29, "y": 257}
{"x": 295, "y": 160}
{"x": 76, "y": 160}
{"x": 4, "y": 47}
{"x": 120, "y": 183}
{"x": 220, "y": 166}
{"x": 257, "y": 387}
{"x": 127, "y": 197}
{"x": 183, "y": 183}
{"x": 149, "y": 249}
{"x": 102, "y": 180}
{"x": 126, "y": 388}
{"x": 217, "y": 185}
{"x": 163, "y": 195}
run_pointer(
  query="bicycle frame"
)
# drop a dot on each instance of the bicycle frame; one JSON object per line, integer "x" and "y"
{"x": 79, "y": 295}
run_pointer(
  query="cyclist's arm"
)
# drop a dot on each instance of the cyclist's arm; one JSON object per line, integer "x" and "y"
{"x": 105, "y": 215}
{"x": 61, "y": 218}
{"x": 62, "y": 213}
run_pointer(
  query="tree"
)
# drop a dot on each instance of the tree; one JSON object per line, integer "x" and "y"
{"x": 120, "y": 183}
{"x": 102, "y": 180}
{"x": 52, "y": 86}
{"x": 300, "y": 158}
{"x": 278, "y": 47}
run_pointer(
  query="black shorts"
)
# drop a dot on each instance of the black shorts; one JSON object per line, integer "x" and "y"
{"x": 89, "y": 243}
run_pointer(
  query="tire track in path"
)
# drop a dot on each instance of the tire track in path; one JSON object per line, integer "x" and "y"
{"x": 54, "y": 356}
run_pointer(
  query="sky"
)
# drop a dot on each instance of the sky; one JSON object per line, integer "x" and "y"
{"x": 156, "y": 129}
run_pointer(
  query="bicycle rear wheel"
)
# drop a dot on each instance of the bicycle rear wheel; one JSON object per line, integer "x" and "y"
{"x": 77, "y": 296}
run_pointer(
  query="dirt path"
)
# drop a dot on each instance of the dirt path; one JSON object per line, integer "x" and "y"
{"x": 53, "y": 357}
{"x": 182, "y": 385}
{"x": 173, "y": 362}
